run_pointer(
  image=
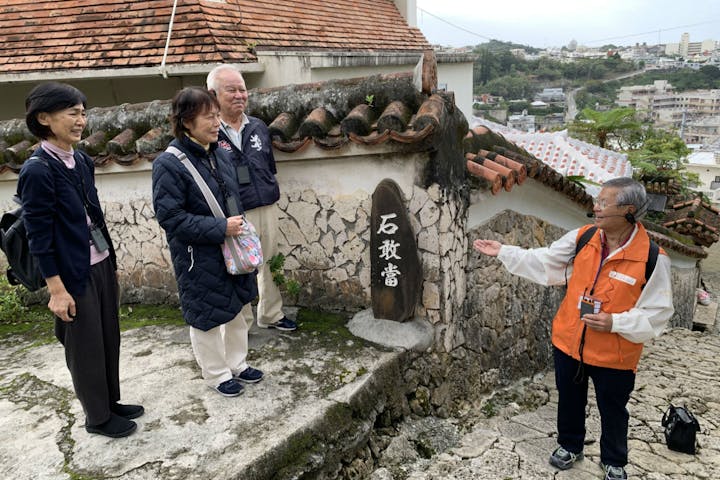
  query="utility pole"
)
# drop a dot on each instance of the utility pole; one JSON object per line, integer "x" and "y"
{"x": 682, "y": 124}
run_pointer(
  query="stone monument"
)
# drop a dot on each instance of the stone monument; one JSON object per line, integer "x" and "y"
{"x": 395, "y": 270}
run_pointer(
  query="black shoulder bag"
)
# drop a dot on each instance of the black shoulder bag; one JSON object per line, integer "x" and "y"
{"x": 681, "y": 426}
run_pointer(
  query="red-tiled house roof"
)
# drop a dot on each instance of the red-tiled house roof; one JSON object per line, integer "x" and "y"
{"x": 568, "y": 156}
{"x": 487, "y": 150}
{"x": 48, "y": 36}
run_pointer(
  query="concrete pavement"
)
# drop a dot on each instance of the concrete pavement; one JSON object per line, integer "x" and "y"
{"x": 317, "y": 401}
{"x": 316, "y": 408}
{"x": 681, "y": 367}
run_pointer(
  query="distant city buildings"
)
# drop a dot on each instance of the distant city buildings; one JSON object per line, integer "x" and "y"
{"x": 522, "y": 122}
{"x": 551, "y": 95}
{"x": 691, "y": 50}
{"x": 695, "y": 114}
{"x": 706, "y": 163}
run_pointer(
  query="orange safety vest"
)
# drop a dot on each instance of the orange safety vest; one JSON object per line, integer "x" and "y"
{"x": 613, "y": 289}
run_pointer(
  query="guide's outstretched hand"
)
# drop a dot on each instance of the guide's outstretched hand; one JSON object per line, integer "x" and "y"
{"x": 487, "y": 247}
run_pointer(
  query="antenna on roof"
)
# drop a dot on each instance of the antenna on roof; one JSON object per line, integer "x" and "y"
{"x": 163, "y": 70}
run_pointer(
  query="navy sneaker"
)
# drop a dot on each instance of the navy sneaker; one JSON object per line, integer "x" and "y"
{"x": 230, "y": 388}
{"x": 614, "y": 473}
{"x": 284, "y": 324}
{"x": 249, "y": 375}
{"x": 563, "y": 459}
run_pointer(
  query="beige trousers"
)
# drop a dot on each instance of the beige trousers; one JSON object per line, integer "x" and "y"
{"x": 269, "y": 307}
{"x": 222, "y": 351}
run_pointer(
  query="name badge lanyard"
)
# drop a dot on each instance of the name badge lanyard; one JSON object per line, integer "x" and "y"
{"x": 79, "y": 182}
{"x": 241, "y": 168}
{"x": 95, "y": 230}
{"x": 581, "y": 367}
{"x": 230, "y": 202}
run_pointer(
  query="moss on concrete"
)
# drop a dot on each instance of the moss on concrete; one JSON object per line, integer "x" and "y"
{"x": 28, "y": 390}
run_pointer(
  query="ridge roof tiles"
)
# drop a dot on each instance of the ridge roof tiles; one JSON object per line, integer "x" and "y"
{"x": 132, "y": 133}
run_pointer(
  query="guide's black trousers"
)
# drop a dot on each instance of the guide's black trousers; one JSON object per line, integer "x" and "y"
{"x": 92, "y": 344}
{"x": 612, "y": 392}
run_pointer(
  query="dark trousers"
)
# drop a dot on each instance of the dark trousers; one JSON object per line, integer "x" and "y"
{"x": 92, "y": 344}
{"x": 612, "y": 392}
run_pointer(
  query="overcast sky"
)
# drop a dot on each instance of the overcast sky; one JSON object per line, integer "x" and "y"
{"x": 555, "y": 22}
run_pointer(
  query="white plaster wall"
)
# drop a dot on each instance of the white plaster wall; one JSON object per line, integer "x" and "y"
{"x": 328, "y": 174}
{"x": 459, "y": 79}
{"x": 530, "y": 198}
{"x": 116, "y": 183}
{"x": 284, "y": 68}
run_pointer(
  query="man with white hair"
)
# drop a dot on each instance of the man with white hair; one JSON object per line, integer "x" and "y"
{"x": 248, "y": 142}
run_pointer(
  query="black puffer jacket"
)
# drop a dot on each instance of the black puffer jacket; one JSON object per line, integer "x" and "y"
{"x": 209, "y": 296}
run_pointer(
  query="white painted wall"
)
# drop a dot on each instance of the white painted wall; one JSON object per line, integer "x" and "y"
{"x": 284, "y": 68}
{"x": 530, "y": 198}
{"x": 458, "y": 78}
{"x": 533, "y": 198}
{"x": 326, "y": 173}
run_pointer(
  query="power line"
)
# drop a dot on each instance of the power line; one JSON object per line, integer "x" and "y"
{"x": 657, "y": 31}
{"x": 654, "y": 31}
{"x": 453, "y": 25}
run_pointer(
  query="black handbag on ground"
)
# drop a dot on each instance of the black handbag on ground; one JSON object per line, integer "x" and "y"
{"x": 681, "y": 426}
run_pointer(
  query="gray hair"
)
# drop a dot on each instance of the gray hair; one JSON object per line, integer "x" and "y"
{"x": 211, "y": 81}
{"x": 630, "y": 192}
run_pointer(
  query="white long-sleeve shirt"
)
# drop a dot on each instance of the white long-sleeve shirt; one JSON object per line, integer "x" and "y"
{"x": 550, "y": 265}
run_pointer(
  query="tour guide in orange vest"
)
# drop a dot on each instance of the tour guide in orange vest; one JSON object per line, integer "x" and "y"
{"x": 609, "y": 310}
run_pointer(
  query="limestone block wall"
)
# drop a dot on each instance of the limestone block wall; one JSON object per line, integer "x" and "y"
{"x": 685, "y": 279}
{"x": 324, "y": 234}
{"x": 326, "y": 243}
{"x": 144, "y": 265}
{"x": 507, "y": 319}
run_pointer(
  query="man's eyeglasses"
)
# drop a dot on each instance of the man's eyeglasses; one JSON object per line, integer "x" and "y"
{"x": 603, "y": 204}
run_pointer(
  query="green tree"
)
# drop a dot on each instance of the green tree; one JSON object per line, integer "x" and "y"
{"x": 662, "y": 154}
{"x": 511, "y": 87}
{"x": 617, "y": 125}
{"x": 711, "y": 72}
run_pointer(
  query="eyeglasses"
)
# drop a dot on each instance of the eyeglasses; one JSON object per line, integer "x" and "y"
{"x": 603, "y": 204}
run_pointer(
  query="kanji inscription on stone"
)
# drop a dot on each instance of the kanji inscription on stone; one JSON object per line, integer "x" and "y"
{"x": 395, "y": 270}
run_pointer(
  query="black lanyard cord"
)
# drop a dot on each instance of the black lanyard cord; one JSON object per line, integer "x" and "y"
{"x": 79, "y": 183}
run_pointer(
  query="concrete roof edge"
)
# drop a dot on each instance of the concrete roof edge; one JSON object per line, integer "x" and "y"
{"x": 74, "y": 74}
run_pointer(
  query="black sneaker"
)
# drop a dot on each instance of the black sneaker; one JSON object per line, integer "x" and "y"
{"x": 127, "y": 411}
{"x": 230, "y": 388}
{"x": 284, "y": 324}
{"x": 116, "y": 427}
{"x": 563, "y": 459}
{"x": 614, "y": 473}
{"x": 249, "y": 375}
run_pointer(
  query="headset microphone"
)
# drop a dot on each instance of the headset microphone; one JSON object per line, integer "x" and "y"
{"x": 590, "y": 214}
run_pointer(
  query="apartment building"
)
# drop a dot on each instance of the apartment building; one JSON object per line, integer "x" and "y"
{"x": 640, "y": 97}
{"x": 694, "y": 112}
{"x": 703, "y": 131}
{"x": 551, "y": 95}
{"x": 706, "y": 163}
{"x": 688, "y": 49}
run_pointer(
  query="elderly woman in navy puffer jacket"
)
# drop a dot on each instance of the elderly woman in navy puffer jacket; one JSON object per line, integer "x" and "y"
{"x": 211, "y": 299}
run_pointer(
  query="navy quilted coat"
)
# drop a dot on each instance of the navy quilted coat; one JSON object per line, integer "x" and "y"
{"x": 209, "y": 296}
